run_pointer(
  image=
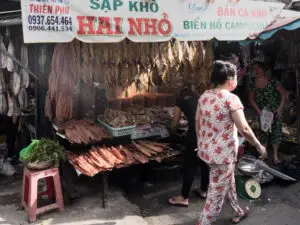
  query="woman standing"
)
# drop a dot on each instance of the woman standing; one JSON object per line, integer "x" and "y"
{"x": 270, "y": 95}
{"x": 187, "y": 104}
{"x": 219, "y": 115}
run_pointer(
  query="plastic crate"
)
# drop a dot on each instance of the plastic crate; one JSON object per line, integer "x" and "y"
{"x": 117, "y": 132}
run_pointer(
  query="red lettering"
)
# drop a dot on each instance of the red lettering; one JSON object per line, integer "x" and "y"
{"x": 135, "y": 26}
{"x": 62, "y": 10}
{"x": 42, "y": 9}
{"x": 104, "y": 24}
{"x": 86, "y": 22}
{"x": 220, "y": 11}
{"x": 118, "y": 30}
{"x": 150, "y": 24}
{"x": 165, "y": 31}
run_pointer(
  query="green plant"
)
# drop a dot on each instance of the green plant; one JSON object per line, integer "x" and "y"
{"x": 46, "y": 150}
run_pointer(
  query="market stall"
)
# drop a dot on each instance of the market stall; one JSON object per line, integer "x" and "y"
{"x": 120, "y": 77}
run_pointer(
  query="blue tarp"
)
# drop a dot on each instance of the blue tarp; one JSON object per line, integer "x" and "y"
{"x": 268, "y": 34}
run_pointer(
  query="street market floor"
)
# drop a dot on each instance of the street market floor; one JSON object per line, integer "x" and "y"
{"x": 136, "y": 203}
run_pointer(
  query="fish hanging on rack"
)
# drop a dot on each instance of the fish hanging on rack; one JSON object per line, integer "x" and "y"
{"x": 24, "y": 74}
{"x": 13, "y": 110}
{"x": 4, "y": 58}
{"x": 10, "y": 62}
{"x": 15, "y": 83}
{"x": 2, "y": 83}
{"x": 86, "y": 74}
{"x": 23, "y": 99}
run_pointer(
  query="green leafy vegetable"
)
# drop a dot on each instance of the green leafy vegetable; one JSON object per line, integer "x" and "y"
{"x": 43, "y": 151}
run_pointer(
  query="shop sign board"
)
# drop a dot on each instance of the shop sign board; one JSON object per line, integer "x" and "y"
{"x": 142, "y": 20}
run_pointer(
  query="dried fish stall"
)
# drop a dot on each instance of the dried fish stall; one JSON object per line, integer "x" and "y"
{"x": 98, "y": 93}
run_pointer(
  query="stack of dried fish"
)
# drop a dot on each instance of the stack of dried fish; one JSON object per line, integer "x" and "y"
{"x": 106, "y": 158}
{"x": 82, "y": 132}
{"x": 136, "y": 115}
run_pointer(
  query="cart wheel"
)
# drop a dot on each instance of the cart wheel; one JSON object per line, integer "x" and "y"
{"x": 253, "y": 189}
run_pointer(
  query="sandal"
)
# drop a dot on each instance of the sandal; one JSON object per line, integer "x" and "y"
{"x": 176, "y": 201}
{"x": 238, "y": 219}
{"x": 200, "y": 193}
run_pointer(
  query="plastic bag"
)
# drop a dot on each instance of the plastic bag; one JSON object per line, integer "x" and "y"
{"x": 266, "y": 120}
{"x": 25, "y": 152}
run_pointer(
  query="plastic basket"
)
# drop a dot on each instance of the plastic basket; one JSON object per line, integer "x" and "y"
{"x": 117, "y": 132}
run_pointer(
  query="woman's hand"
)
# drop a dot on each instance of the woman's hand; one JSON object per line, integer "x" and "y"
{"x": 259, "y": 112}
{"x": 262, "y": 151}
{"x": 279, "y": 112}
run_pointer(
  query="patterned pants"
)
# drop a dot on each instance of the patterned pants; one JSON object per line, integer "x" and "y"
{"x": 221, "y": 185}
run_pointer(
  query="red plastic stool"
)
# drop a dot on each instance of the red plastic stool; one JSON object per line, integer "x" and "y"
{"x": 30, "y": 191}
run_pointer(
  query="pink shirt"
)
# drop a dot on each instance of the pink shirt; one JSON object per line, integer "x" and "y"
{"x": 218, "y": 137}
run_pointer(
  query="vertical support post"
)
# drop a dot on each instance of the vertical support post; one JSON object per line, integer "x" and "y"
{"x": 105, "y": 189}
{"x": 298, "y": 103}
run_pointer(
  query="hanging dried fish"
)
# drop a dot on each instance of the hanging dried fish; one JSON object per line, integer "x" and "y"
{"x": 201, "y": 54}
{"x": 209, "y": 55}
{"x": 48, "y": 108}
{"x": 13, "y": 109}
{"x": 170, "y": 56}
{"x": 23, "y": 99}
{"x": 15, "y": 83}
{"x": 177, "y": 52}
{"x": 4, "y": 58}
{"x": 2, "y": 83}
{"x": 166, "y": 75}
{"x": 91, "y": 51}
{"x": 86, "y": 75}
{"x": 77, "y": 60}
{"x": 24, "y": 74}
{"x": 98, "y": 64}
{"x": 155, "y": 79}
{"x": 185, "y": 52}
{"x": 10, "y": 62}
{"x": 64, "y": 107}
{"x": 3, "y": 104}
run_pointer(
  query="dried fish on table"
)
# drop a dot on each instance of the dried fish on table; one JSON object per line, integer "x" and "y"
{"x": 82, "y": 131}
{"x": 139, "y": 157}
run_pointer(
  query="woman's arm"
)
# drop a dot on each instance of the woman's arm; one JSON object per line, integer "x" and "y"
{"x": 253, "y": 103}
{"x": 283, "y": 94}
{"x": 176, "y": 118}
{"x": 243, "y": 127}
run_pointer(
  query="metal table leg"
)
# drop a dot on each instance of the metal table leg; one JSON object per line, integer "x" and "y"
{"x": 105, "y": 189}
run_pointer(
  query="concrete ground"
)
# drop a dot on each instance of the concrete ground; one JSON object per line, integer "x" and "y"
{"x": 132, "y": 203}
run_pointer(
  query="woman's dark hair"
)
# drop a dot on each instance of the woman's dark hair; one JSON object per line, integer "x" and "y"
{"x": 259, "y": 64}
{"x": 222, "y": 72}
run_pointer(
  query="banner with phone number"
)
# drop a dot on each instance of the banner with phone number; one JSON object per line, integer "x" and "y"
{"x": 46, "y": 21}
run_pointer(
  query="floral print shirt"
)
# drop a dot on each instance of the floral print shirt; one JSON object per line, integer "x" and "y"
{"x": 218, "y": 137}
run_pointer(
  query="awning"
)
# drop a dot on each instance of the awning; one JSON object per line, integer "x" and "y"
{"x": 287, "y": 21}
